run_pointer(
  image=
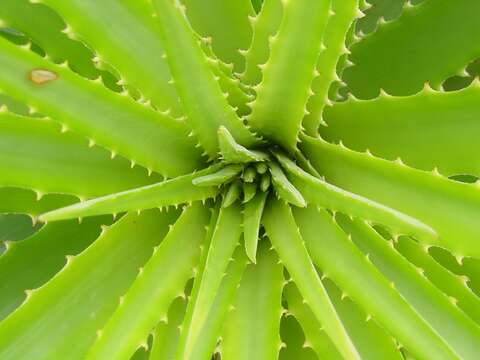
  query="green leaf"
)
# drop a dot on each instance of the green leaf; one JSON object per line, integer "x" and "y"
{"x": 166, "y": 334}
{"x": 211, "y": 331}
{"x": 127, "y": 327}
{"x": 252, "y": 329}
{"x": 232, "y": 152}
{"x": 282, "y": 96}
{"x": 227, "y": 23}
{"x": 457, "y": 330}
{"x": 167, "y": 193}
{"x": 456, "y": 209}
{"x": 225, "y": 239}
{"x": 24, "y": 201}
{"x": 287, "y": 241}
{"x": 383, "y": 60}
{"x": 35, "y": 154}
{"x": 345, "y": 12}
{"x": 320, "y": 193}
{"x": 249, "y": 191}
{"x": 264, "y": 25}
{"x": 427, "y": 130}
{"x": 252, "y": 214}
{"x": 360, "y": 280}
{"x": 315, "y": 337}
{"x": 219, "y": 177}
{"x": 44, "y": 27}
{"x": 29, "y": 263}
{"x": 127, "y": 43}
{"x": 232, "y": 194}
{"x": 456, "y": 287}
{"x": 204, "y": 103}
{"x": 82, "y": 296}
{"x": 237, "y": 93}
{"x": 294, "y": 340}
{"x": 14, "y": 227}
{"x": 107, "y": 118}
{"x": 376, "y": 10}
{"x": 363, "y": 333}
{"x": 284, "y": 188}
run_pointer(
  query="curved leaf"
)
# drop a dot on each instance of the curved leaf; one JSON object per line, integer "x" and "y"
{"x": 406, "y": 66}
{"x": 285, "y": 237}
{"x": 360, "y": 280}
{"x": 226, "y": 22}
{"x": 427, "y": 130}
{"x": 451, "y": 208}
{"x": 457, "y": 330}
{"x": 345, "y": 12}
{"x": 30, "y": 263}
{"x": 203, "y": 101}
{"x": 127, "y": 43}
{"x": 320, "y": 193}
{"x": 110, "y": 119}
{"x": 252, "y": 329}
{"x": 282, "y": 96}
{"x": 252, "y": 215}
{"x": 167, "y": 193}
{"x": 35, "y": 154}
{"x": 91, "y": 283}
{"x": 225, "y": 239}
{"x": 148, "y": 299}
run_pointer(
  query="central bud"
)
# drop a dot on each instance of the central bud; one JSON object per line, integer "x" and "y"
{"x": 243, "y": 173}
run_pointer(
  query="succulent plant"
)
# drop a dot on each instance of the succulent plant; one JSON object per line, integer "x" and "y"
{"x": 268, "y": 165}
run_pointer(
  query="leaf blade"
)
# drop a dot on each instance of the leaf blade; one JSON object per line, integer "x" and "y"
{"x": 127, "y": 328}
{"x": 283, "y": 233}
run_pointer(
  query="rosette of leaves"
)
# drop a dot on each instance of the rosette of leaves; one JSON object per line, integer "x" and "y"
{"x": 268, "y": 166}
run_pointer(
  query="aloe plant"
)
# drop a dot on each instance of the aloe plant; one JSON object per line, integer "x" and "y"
{"x": 290, "y": 179}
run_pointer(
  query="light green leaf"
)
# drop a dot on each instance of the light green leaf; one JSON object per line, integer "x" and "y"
{"x": 264, "y": 25}
{"x": 315, "y": 337}
{"x": 252, "y": 329}
{"x": 457, "y": 329}
{"x": 45, "y": 327}
{"x": 252, "y": 215}
{"x": 232, "y": 194}
{"x": 24, "y": 201}
{"x": 88, "y": 108}
{"x": 383, "y": 59}
{"x": 287, "y": 241}
{"x": 211, "y": 331}
{"x": 127, "y": 43}
{"x": 41, "y": 24}
{"x": 456, "y": 287}
{"x": 225, "y": 239}
{"x": 320, "y": 193}
{"x": 226, "y": 22}
{"x": 232, "y": 152}
{"x": 360, "y": 280}
{"x": 284, "y": 188}
{"x": 427, "y": 130}
{"x": 456, "y": 209}
{"x": 128, "y": 327}
{"x": 30, "y": 263}
{"x": 35, "y": 154}
{"x": 166, "y": 334}
{"x": 344, "y": 13}
{"x": 204, "y": 103}
{"x": 170, "y": 192}
{"x": 282, "y": 96}
{"x": 219, "y": 177}
{"x": 14, "y": 227}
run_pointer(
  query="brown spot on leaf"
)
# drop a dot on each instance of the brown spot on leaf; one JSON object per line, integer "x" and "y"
{"x": 42, "y": 76}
